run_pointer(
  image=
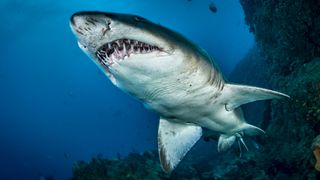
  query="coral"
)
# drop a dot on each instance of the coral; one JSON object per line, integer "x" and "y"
{"x": 316, "y": 151}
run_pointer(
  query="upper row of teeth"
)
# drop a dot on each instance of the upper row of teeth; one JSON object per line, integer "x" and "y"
{"x": 122, "y": 48}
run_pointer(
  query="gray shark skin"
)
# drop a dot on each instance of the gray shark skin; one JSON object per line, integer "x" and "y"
{"x": 171, "y": 76}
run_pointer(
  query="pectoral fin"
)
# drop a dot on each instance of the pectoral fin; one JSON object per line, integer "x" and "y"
{"x": 236, "y": 95}
{"x": 174, "y": 141}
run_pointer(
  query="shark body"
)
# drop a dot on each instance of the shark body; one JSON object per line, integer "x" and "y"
{"x": 171, "y": 76}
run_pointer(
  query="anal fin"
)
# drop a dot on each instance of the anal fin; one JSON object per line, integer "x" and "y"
{"x": 174, "y": 141}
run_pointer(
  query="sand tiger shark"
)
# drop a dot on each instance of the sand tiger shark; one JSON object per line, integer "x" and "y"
{"x": 171, "y": 76}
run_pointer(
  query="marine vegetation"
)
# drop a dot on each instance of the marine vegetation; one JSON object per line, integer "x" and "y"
{"x": 135, "y": 166}
{"x": 287, "y": 35}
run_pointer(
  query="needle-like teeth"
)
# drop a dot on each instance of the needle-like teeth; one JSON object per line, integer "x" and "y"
{"x": 122, "y": 48}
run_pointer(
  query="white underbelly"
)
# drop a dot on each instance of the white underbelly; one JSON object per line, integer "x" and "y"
{"x": 209, "y": 115}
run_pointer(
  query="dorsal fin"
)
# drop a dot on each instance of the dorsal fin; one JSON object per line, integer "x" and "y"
{"x": 174, "y": 141}
{"x": 236, "y": 95}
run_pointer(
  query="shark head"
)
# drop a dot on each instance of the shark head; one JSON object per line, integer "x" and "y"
{"x": 123, "y": 44}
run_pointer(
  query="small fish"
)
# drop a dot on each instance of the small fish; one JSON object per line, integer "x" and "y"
{"x": 66, "y": 155}
{"x": 213, "y": 7}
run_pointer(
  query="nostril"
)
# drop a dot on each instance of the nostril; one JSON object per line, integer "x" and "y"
{"x": 104, "y": 31}
{"x": 106, "y": 28}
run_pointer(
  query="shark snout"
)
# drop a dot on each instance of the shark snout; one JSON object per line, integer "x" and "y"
{"x": 73, "y": 19}
{"x": 91, "y": 17}
{"x": 85, "y": 22}
{"x": 83, "y": 17}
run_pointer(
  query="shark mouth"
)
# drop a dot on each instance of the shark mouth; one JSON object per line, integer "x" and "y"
{"x": 122, "y": 48}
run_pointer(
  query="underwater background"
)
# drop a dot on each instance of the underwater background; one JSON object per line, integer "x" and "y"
{"x": 61, "y": 118}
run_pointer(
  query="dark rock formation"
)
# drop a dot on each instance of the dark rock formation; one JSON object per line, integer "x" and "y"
{"x": 135, "y": 166}
{"x": 138, "y": 167}
{"x": 287, "y": 32}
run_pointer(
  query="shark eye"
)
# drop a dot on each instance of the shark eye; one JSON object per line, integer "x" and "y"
{"x": 138, "y": 18}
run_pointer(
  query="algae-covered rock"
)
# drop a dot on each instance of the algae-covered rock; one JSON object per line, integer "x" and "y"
{"x": 287, "y": 32}
{"x": 290, "y": 126}
{"x": 136, "y": 166}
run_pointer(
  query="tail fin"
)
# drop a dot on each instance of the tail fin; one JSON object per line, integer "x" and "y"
{"x": 225, "y": 141}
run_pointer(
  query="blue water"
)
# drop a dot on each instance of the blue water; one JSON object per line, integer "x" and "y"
{"x": 56, "y": 107}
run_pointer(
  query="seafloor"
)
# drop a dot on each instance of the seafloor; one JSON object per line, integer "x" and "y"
{"x": 286, "y": 58}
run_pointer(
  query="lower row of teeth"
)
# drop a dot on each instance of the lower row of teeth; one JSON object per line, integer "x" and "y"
{"x": 122, "y": 49}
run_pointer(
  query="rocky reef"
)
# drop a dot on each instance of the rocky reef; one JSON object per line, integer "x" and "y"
{"x": 287, "y": 30}
{"x": 136, "y": 166}
{"x": 291, "y": 125}
{"x": 286, "y": 59}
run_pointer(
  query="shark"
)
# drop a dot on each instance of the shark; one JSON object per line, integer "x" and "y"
{"x": 171, "y": 76}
